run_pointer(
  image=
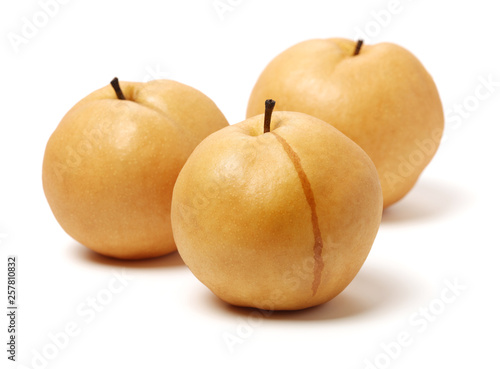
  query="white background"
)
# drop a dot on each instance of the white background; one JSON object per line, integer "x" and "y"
{"x": 444, "y": 232}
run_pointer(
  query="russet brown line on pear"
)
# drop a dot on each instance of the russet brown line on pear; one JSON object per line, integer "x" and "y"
{"x": 308, "y": 193}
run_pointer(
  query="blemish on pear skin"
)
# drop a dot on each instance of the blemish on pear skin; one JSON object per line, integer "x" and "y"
{"x": 308, "y": 192}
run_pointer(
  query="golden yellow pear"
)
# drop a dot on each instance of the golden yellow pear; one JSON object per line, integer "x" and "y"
{"x": 278, "y": 215}
{"x": 110, "y": 166}
{"x": 378, "y": 95}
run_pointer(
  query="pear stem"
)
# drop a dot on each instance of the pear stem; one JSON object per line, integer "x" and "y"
{"x": 267, "y": 115}
{"x": 116, "y": 86}
{"x": 358, "y": 47}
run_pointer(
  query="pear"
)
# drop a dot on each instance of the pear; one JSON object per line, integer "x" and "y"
{"x": 278, "y": 212}
{"x": 380, "y": 96}
{"x": 110, "y": 166}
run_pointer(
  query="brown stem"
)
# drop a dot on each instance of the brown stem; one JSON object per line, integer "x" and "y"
{"x": 116, "y": 86}
{"x": 358, "y": 47}
{"x": 267, "y": 115}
